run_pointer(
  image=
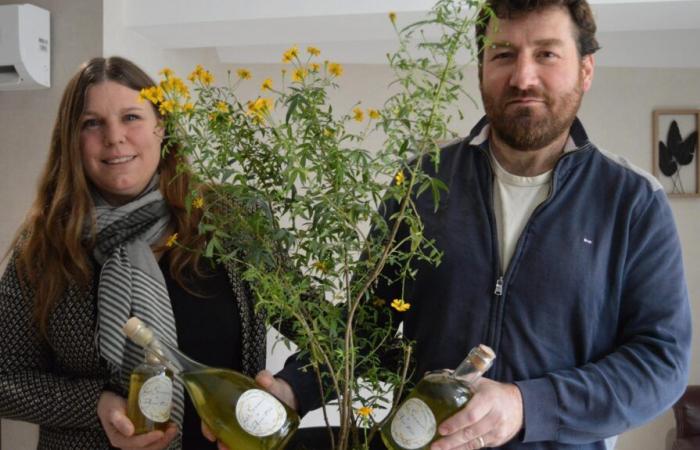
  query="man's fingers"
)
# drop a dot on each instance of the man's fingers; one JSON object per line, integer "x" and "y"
{"x": 474, "y": 412}
{"x": 465, "y": 436}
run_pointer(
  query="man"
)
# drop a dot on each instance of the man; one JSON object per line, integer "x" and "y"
{"x": 561, "y": 257}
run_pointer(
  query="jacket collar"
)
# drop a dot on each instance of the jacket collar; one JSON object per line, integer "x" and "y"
{"x": 577, "y": 150}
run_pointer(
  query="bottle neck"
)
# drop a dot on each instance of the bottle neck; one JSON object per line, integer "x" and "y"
{"x": 171, "y": 357}
{"x": 477, "y": 362}
{"x": 467, "y": 372}
{"x": 150, "y": 358}
{"x": 166, "y": 353}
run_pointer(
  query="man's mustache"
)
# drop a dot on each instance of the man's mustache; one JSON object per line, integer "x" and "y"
{"x": 518, "y": 94}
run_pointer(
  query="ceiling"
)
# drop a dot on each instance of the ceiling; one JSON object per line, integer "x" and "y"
{"x": 632, "y": 33}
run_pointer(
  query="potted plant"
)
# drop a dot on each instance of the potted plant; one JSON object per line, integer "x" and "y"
{"x": 296, "y": 198}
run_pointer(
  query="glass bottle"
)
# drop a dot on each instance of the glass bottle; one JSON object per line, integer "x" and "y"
{"x": 236, "y": 410}
{"x": 440, "y": 394}
{"x": 150, "y": 395}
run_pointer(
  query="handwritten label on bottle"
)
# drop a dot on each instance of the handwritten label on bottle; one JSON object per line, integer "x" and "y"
{"x": 259, "y": 413}
{"x": 155, "y": 398}
{"x": 413, "y": 426}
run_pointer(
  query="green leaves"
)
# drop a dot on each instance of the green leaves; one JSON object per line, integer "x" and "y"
{"x": 294, "y": 198}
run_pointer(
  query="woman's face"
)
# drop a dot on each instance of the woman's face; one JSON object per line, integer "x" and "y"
{"x": 120, "y": 138}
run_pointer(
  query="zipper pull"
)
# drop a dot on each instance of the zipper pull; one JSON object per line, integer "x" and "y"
{"x": 499, "y": 286}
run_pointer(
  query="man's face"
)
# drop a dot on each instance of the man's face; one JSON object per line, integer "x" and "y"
{"x": 533, "y": 77}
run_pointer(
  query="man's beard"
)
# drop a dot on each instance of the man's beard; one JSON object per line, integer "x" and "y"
{"x": 523, "y": 128}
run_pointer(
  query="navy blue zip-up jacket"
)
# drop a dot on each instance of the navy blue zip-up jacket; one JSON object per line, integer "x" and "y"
{"x": 591, "y": 319}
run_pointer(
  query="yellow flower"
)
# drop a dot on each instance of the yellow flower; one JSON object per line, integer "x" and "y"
{"x": 400, "y": 178}
{"x": 145, "y": 94}
{"x": 181, "y": 87}
{"x": 172, "y": 240}
{"x": 313, "y": 51}
{"x": 400, "y": 305}
{"x": 335, "y": 69}
{"x": 299, "y": 74}
{"x": 207, "y": 78}
{"x": 174, "y": 85}
{"x": 392, "y": 17}
{"x": 259, "y": 108}
{"x": 167, "y": 73}
{"x": 244, "y": 74}
{"x": 167, "y": 106}
{"x": 222, "y": 107}
{"x": 314, "y": 67}
{"x": 365, "y": 411}
{"x": 201, "y": 75}
{"x": 267, "y": 84}
{"x": 321, "y": 266}
{"x": 198, "y": 203}
{"x": 290, "y": 54}
{"x": 154, "y": 94}
{"x": 188, "y": 107}
{"x": 373, "y": 113}
{"x": 358, "y": 114}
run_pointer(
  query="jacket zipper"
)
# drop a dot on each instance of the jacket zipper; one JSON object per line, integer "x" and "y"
{"x": 494, "y": 327}
{"x": 499, "y": 286}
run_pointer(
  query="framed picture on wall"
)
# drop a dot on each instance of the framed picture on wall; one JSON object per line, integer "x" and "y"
{"x": 675, "y": 150}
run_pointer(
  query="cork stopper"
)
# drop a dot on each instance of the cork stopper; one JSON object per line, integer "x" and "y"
{"x": 137, "y": 331}
{"x": 482, "y": 357}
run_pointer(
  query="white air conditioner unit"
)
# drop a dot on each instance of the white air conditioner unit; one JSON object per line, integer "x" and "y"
{"x": 25, "y": 47}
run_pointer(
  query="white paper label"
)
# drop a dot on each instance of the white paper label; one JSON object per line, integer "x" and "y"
{"x": 413, "y": 425}
{"x": 155, "y": 398}
{"x": 259, "y": 413}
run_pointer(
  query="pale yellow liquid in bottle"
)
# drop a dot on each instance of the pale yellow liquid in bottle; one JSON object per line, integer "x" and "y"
{"x": 215, "y": 393}
{"x": 443, "y": 395}
{"x": 142, "y": 424}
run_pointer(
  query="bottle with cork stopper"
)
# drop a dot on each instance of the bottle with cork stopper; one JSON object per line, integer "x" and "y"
{"x": 231, "y": 404}
{"x": 440, "y": 394}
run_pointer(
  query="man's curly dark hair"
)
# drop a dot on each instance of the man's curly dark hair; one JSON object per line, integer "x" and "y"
{"x": 579, "y": 10}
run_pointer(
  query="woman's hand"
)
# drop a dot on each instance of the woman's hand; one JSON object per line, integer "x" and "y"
{"x": 275, "y": 386}
{"x": 111, "y": 409}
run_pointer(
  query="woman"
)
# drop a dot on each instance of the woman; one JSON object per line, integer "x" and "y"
{"x": 91, "y": 253}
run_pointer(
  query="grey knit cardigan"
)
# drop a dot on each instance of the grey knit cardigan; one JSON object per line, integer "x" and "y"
{"x": 57, "y": 384}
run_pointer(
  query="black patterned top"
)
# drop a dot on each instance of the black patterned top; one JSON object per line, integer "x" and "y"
{"x": 57, "y": 384}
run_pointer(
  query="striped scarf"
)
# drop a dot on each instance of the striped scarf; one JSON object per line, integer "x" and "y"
{"x": 132, "y": 284}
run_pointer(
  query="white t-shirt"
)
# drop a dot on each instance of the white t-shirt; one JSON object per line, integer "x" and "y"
{"x": 514, "y": 200}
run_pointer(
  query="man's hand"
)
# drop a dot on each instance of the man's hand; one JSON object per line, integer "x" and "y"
{"x": 275, "y": 386}
{"x": 493, "y": 417}
{"x": 111, "y": 410}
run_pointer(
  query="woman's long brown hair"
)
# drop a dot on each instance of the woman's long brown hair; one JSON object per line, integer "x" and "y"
{"x": 51, "y": 250}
